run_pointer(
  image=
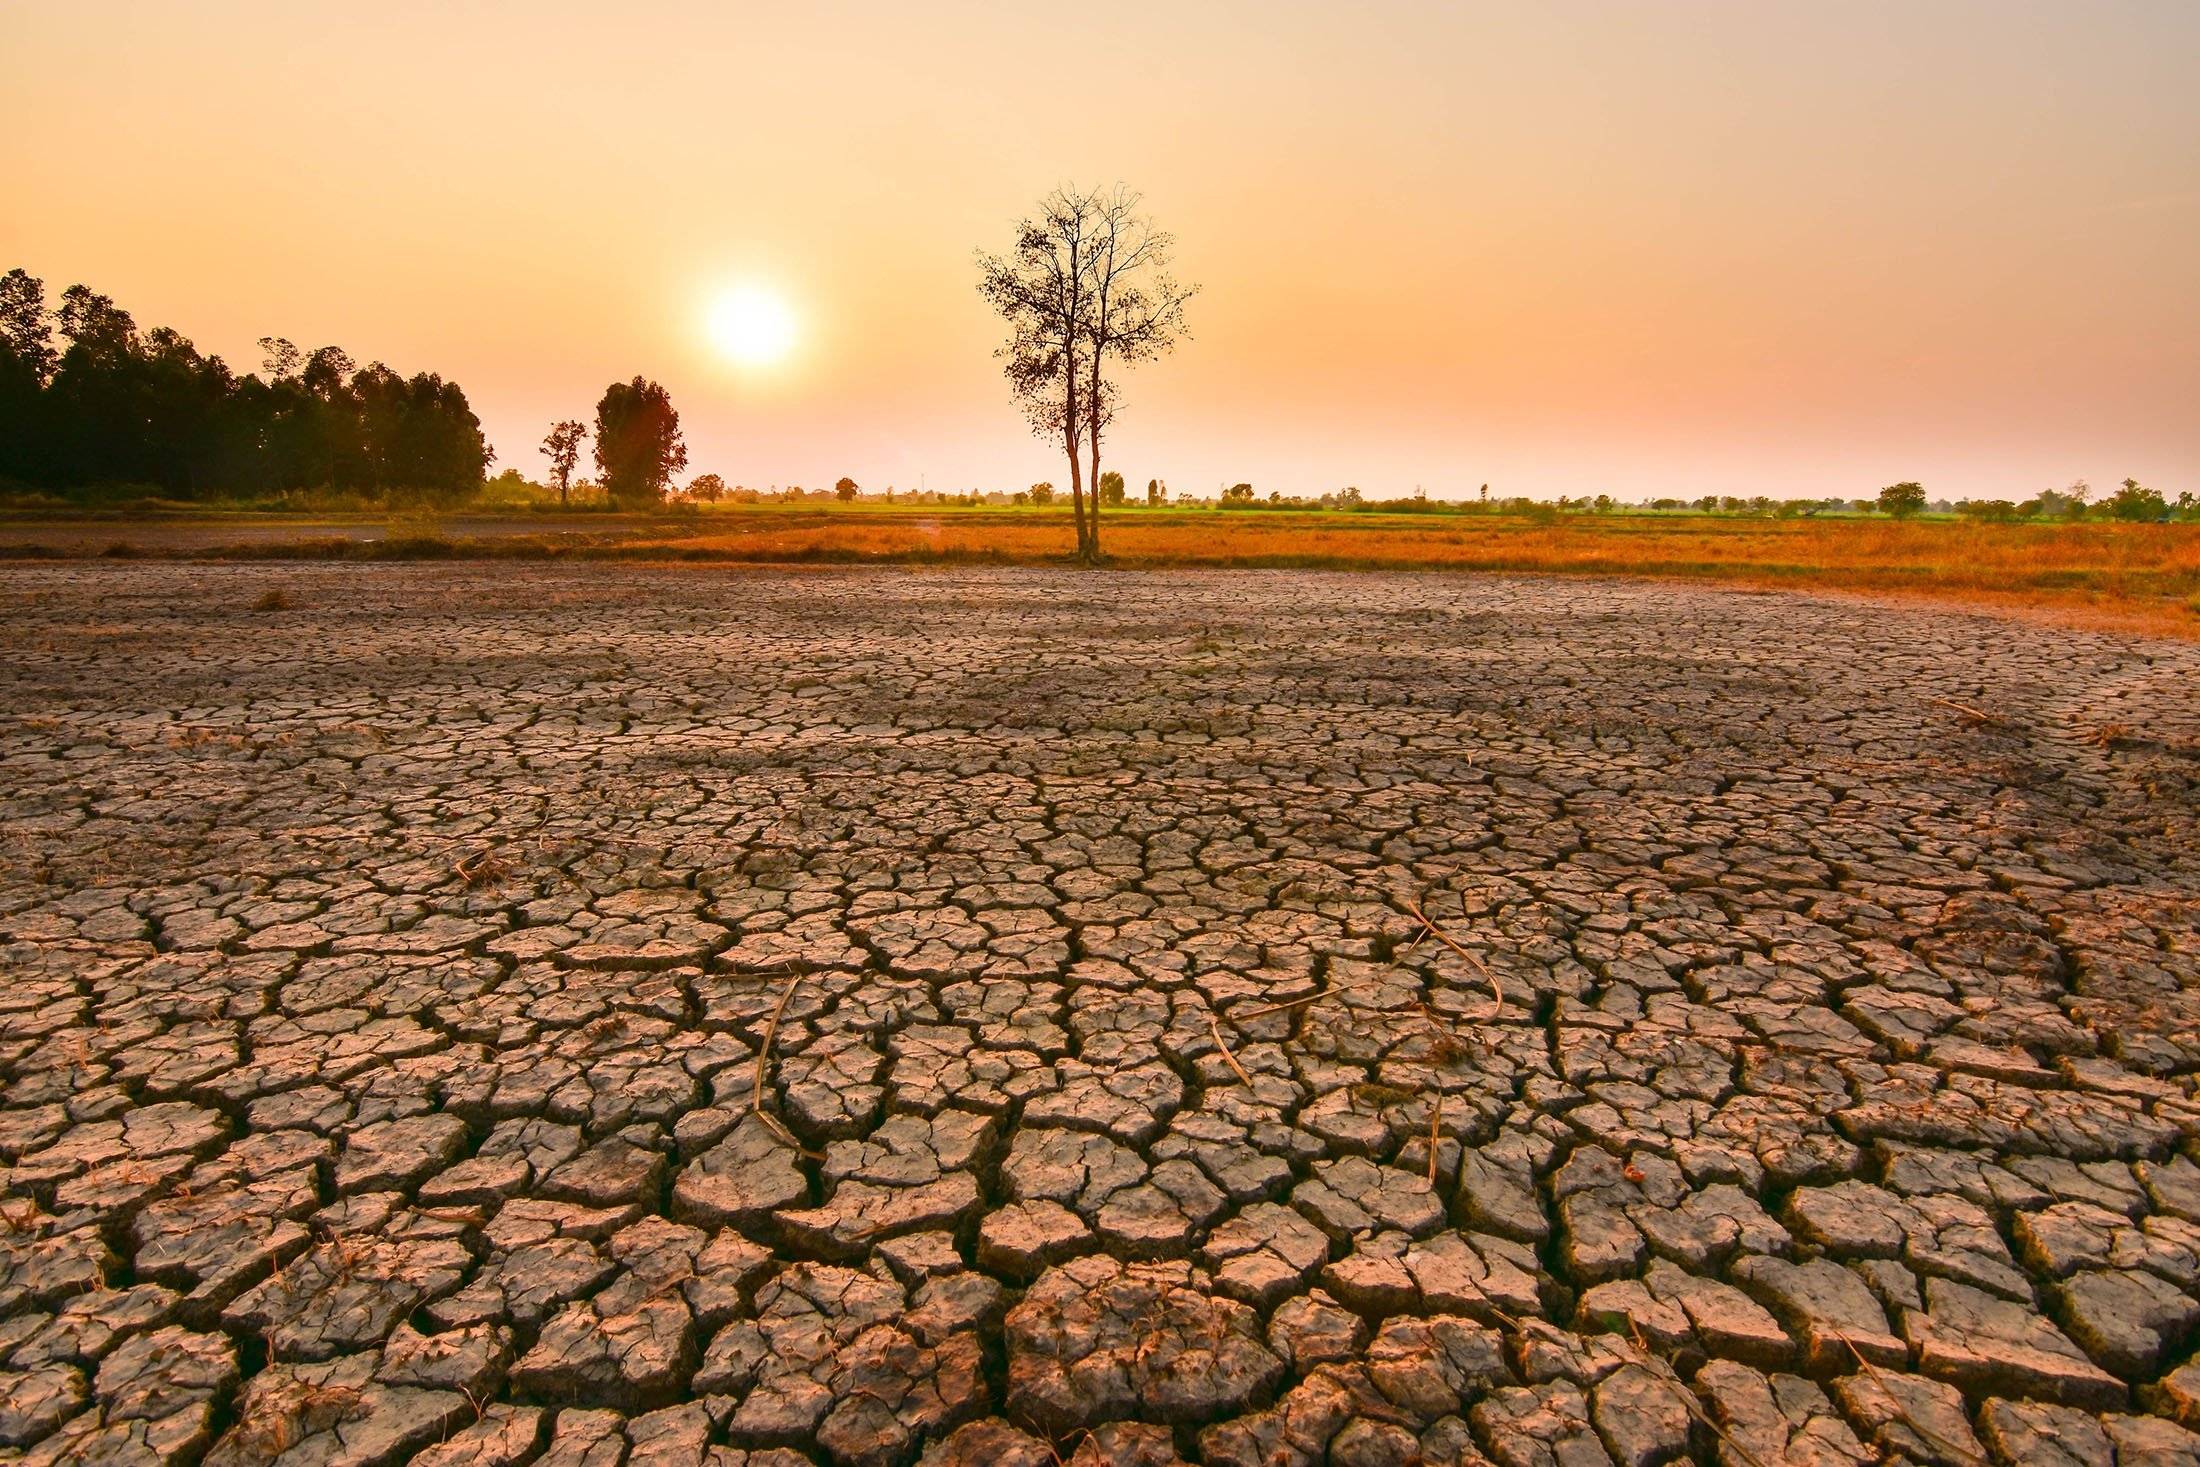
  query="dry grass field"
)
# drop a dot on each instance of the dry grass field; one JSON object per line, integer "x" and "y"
{"x": 2130, "y": 577}
{"x": 2138, "y": 577}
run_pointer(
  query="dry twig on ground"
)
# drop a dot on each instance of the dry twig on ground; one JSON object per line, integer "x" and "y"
{"x": 764, "y": 1117}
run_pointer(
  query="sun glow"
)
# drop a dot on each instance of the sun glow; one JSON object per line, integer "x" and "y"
{"x": 752, "y": 325}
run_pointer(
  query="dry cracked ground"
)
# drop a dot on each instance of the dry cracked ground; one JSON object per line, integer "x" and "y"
{"x": 482, "y": 1015}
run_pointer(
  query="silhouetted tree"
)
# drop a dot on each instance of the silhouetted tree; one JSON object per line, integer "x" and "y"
{"x": 1042, "y": 493}
{"x": 281, "y": 360}
{"x": 1085, "y": 283}
{"x": 121, "y": 406}
{"x": 562, "y": 446}
{"x": 1042, "y": 289}
{"x": 1137, "y": 314}
{"x": 706, "y": 488}
{"x": 845, "y": 490}
{"x": 26, "y": 362}
{"x": 638, "y": 443}
{"x": 1111, "y": 488}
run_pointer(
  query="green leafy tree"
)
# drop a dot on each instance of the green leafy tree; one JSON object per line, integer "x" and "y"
{"x": 638, "y": 443}
{"x": 2134, "y": 501}
{"x": 1042, "y": 493}
{"x": 1111, "y": 488}
{"x": 1902, "y": 500}
{"x": 845, "y": 490}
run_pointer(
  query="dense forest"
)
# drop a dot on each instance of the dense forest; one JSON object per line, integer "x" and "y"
{"x": 88, "y": 401}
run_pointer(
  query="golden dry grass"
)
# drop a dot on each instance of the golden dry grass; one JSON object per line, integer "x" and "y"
{"x": 2131, "y": 577}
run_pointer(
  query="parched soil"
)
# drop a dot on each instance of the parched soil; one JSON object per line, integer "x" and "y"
{"x": 492, "y": 1013}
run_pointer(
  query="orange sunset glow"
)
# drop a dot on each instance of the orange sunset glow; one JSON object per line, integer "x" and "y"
{"x": 1746, "y": 248}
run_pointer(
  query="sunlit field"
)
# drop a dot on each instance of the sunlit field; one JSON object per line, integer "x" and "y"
{"x": 2136, "y": 577}
{"x": 2139, "y": 576}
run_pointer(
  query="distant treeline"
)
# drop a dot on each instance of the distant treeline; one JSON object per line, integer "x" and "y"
{"x": 88, "y": 400}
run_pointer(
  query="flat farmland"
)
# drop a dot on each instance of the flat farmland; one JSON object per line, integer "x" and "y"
{"x": 2142, "y": 578}
{"x": 763, "y": 1015}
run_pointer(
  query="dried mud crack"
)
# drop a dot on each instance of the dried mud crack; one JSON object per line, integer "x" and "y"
{"x": 495, "y": 1014}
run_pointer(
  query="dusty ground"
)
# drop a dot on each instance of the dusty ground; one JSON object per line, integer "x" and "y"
{"x": 391, "y": 980}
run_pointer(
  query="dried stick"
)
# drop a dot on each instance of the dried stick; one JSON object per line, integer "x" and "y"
{"x": 1435, "y": 1119}
{"x": 1214, "y": 1027}
{"x": 769, "y": 1121}
{"x": 1278, "y": 1008}
{"x": 1975, "y": 716}
{"x": 1931, "y": 1437}
{"x": 1473, "y": 959}
{"x": 1687, "y": 1397}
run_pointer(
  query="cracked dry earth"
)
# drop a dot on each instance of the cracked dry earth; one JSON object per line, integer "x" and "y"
{"x": 395, "y": 1065}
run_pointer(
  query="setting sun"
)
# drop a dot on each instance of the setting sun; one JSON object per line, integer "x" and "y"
{"x": 752, "y": 326}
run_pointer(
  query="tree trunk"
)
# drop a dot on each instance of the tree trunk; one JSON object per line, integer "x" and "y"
{"x": 1092, "y": 437}
{"x": 1069, "y": 442}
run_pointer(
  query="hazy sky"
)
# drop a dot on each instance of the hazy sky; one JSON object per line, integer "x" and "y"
{"x": 1645, "y": 248}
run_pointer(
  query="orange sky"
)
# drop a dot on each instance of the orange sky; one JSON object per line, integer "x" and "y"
{"x": 1645, "y": 248}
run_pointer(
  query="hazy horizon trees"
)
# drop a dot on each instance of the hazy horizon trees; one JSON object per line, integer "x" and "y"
{"x": 562, "y": 446}
{"x": 1086, "y": 283}
{"x": 845, "y": 490}
{"x": 2134, "y": 501}
{"x": 638, "y": 442}
{"x": 1902, "y": 500}
{"x": 115, "y": 405}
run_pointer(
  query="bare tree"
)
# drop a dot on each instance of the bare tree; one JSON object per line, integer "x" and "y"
{"x": 1041, "y": 288}
{"x": 563, "y": 448}
{"x": 1136, "y": 313}
{"x": 1086, "y": 284}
